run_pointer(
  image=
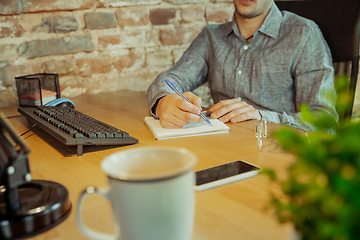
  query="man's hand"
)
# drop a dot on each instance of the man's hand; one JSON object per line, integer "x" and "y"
{"x": 233, "y": 110}
{"x": 175, "y": 112}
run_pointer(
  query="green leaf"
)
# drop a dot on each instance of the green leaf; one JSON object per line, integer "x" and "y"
{"x": 323, "y": 187}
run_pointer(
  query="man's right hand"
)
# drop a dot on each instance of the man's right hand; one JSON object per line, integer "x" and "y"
{"x": 174, "y": 112}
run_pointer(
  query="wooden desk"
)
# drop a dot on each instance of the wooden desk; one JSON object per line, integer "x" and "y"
{"x": 235, "y": 211}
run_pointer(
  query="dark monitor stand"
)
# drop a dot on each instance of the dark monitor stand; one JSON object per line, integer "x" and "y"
{"x": 27, "y": 207}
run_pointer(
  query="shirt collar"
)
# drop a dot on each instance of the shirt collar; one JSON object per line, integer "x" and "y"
{"x": 272, "y": 23}
{"x": 270, "y": 26}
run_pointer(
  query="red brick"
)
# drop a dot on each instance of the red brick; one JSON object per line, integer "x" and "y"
{"x": 56, "y": 5}
{"x": 219, "y": 13}
{"x": 193, "y": 14}
{"x": 121, "y": 3}
{"x": 172, "y": 36}
{"x": 105, "y": 41}
{"x": 127, "y": 61}
{"x": 191, "y": 33}
{"x": 11, "y": 28}
{"x": 132, "y": 17}
{"x": 159, "y": 58}
{"x": 9, "y": 7}
{"x": 178, "y": 36}
{"x": 130, "y": 39}
{"x": 163, "y": 16}
{"x": 140, "y": 39}
{"x": 94, "y": 66}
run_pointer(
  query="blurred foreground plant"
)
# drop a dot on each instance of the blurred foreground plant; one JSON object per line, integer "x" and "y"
{"x": 323, "y": 187}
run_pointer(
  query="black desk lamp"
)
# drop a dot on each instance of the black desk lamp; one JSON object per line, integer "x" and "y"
{"x": 27, "y": 207}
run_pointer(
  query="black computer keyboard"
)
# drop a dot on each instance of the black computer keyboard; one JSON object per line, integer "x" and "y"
{"x": 72, "y": 127}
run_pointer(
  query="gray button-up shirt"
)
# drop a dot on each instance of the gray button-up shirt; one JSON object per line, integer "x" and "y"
{"x": 287, "y": 63}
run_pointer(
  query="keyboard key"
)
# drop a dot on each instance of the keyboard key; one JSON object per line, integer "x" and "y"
{"x": 72, "y": 127}
{"x": 101, "y": 135}
{"x": 125, "y": 135}
{"x": 78, "y": 135}
{"x": 72, "y": 132}
{"x": 78, "y": 124}
{"x": 92, "y": 135}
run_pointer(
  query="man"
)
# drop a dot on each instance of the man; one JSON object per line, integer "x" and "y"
{"x": 273, "y": 61}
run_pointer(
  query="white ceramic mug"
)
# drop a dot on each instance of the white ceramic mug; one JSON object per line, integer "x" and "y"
{"x": 151, "y": 190}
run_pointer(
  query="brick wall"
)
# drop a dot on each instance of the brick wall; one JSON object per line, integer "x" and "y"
{"x": 101, "y": 45}
{"x": 98, "y": 45}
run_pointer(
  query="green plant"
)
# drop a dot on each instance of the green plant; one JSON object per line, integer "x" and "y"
{"x": 322, "y": 192}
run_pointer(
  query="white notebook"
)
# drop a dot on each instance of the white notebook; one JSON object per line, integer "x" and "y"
{"x": 192, "y": 129}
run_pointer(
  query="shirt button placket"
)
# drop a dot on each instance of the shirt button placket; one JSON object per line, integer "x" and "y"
{"x": 240, "y": 81}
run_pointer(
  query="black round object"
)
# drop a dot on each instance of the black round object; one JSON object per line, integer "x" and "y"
{"x": 44, "y": 204}
{"x": 66, "y": 104}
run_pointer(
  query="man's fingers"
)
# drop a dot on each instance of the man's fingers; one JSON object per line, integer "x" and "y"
{"x": 251, "y": 114}
{"x": 240, "y": 115}
{"x": 179, "y": 121}
{"x": 174, "y": 112}
{"x": 172, "y": 123}
{"x": 194, "y": 106}
{"x": 227, "y": 108}
{"x": 233, "y": 110}
{"x": 223, "y": 107}
{"x": 195, "y": 100}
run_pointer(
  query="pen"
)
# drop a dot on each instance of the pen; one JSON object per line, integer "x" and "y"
{"x": 178, "y": 92}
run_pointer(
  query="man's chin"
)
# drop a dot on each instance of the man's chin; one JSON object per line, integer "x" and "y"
{"x": 246, "y": 14}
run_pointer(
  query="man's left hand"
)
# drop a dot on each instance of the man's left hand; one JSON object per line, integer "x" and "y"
{"x": 233, "y": 110}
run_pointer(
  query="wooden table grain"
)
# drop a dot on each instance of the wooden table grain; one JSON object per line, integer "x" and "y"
{"x": 231, "y": 212}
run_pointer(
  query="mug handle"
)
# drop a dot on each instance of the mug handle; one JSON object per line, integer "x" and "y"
{"x": 84, "y": 229}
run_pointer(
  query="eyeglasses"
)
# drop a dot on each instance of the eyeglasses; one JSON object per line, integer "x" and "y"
{"x": 261, "y": 132}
